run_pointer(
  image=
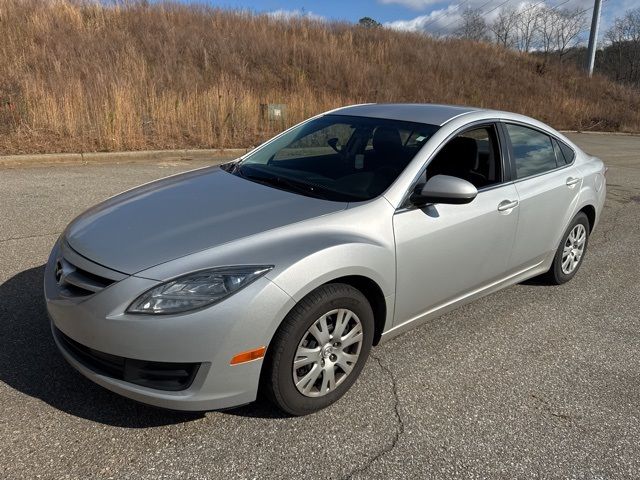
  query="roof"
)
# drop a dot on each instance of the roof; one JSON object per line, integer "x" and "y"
{"x": 411, "y": 112}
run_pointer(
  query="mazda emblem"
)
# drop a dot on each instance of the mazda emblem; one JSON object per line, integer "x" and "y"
{"x": 58, "y": 273}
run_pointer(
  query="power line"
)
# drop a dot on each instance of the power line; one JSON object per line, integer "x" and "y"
{"x": 519, "y": 14}
{"x": 482, "y": 14}
{"x": 443, "y": 14}
{"x": 446, "y": 12}
{"x": 556, "y": 7}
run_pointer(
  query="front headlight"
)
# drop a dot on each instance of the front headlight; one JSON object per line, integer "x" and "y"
{"x": 196, "y": 290}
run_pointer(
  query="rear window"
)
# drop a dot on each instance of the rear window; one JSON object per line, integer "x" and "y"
{"x": 564, "y": 153}
{"x": 559, "y": 155}
{"x": 567, "y": 151}
{"x": 532, "y": 151}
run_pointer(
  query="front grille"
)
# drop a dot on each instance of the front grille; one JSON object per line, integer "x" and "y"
{"x": 77, "y": 282}
{"x": 158, "y": 375}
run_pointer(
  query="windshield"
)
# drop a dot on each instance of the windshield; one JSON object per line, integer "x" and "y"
{"x": 337, "y": 157}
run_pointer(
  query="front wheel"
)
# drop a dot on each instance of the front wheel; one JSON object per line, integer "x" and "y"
{"x": 571, "y": 251}
{"x": 319, "y": 350}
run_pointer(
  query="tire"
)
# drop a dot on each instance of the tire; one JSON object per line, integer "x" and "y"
{"x": 556, "y": 274}
{"x": 299, "y": 332}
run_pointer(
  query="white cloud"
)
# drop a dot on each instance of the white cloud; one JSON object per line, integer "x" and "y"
{"x": 442, "y": 21}
{"x": 289, "y": 14}
{"x": 414, "y": 4}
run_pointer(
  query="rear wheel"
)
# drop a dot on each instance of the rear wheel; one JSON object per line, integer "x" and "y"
{"x": 319, "y": 350}
{"x": 570, "y": 252}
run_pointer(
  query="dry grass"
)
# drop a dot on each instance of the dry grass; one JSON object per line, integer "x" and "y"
{"x": 81, "y": 76}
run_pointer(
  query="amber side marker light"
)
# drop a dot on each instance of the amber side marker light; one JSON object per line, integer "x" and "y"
{"x": 248, "y": 356}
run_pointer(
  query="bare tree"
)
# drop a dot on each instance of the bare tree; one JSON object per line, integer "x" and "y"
{"x": 626, "y": 28}
{"x": 569, "y": 25}
{"x": 473, "y": 26}
{"x": 504, "y": 26}
{"x": 548, "y": 25}
{"x": 559, "y": 30}
{"x": 526, "y": 29}
{"x": 624, "y": 47}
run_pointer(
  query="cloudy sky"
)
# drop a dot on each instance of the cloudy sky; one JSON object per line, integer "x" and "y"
{"x": 434, "y": 16}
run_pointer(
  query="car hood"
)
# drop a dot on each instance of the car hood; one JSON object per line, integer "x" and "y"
{"x": 184, "y": 214}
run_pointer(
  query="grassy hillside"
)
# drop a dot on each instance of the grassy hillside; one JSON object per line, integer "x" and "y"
{"x": 79, "y": 76}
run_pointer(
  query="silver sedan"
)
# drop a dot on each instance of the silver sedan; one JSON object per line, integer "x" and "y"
{"x": 279, "y": 271}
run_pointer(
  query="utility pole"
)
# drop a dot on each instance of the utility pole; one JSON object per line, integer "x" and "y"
{"x": 593, "y": 35}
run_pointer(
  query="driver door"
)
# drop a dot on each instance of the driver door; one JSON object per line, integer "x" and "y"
{"x": 446, "y": 252}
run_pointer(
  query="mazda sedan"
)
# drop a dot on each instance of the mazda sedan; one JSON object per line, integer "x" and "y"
{"x": 276, "y": 273}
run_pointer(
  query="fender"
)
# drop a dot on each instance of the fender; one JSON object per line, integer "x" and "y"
{"x": 335, "y": 261}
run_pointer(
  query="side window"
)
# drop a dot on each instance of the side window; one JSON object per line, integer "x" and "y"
{"x": 473, "y": 155}
{"x": 532, "y": 151}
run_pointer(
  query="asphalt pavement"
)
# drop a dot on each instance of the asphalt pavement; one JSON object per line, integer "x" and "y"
{"x": 531, "y": 382}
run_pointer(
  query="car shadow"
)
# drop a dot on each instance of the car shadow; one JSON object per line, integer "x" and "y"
{"x": 539, "y": 281}
{"x": 30, "y": 363}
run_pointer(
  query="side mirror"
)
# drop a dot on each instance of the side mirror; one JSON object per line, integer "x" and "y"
{"x": 333, "y": 143}
{"x": 444, "y": 189}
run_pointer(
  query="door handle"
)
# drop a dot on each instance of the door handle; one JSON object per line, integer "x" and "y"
{"x": 505, "y": 205}
{"x": 571, "y": 181}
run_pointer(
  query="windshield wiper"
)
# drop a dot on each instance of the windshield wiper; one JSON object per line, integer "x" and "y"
{"x": 280, "y": 182}
{"x": 231, "y": 167}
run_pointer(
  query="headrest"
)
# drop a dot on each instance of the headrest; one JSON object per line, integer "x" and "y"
{"x": 387, "y": 140}
{"x": 463, "y": 151}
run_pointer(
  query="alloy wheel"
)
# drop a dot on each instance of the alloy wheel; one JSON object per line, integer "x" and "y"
{"x": 327, "y": 353}
{"x": 573, "y": 248}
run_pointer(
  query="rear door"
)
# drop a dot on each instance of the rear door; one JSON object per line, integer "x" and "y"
{"x": 548, "y": 187}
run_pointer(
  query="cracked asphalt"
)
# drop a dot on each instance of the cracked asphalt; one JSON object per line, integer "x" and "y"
{"x": 530, "y": 382}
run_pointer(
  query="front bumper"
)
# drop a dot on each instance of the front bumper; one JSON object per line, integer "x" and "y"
{"x": 208, "y": 337}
